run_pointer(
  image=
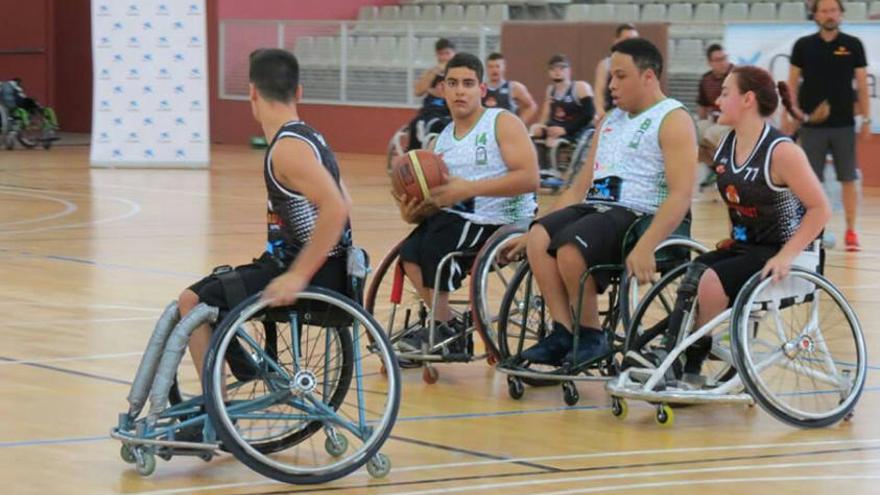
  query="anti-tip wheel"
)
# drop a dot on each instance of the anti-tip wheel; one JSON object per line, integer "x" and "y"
{"x": 665, "y": 416}
{"x": 619, "y": 408}
{"x": 145, "y": 463}
{"x": 570, "y": 393}
{"x": 430, "y": 375}
{"x": 336, "y": 444}
{"x": 379, "y": 466}
{"x": 127, "y": 454}
{"x": 515, "y": 387}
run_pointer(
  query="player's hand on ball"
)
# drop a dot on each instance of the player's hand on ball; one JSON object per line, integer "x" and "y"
{"x": 412, "y": 210}
{"x": 454, "y": 191}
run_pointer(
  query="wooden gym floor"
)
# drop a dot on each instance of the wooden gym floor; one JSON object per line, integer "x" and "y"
{"x": 90, "y": 257}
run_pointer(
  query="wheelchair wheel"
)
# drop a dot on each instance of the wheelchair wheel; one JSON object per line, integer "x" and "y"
{"x": 394, "y": 301}
{"x": 316, "y": 368}
{"x": 490, "y": 279}
{"x": 649, "y": 334}
{"x": 799, "y": 348}
{"x": 397, "y": 146}
{"x": 523, "y": 320}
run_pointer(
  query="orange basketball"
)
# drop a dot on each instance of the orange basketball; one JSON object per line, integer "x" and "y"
{"x": 415, "y": 173}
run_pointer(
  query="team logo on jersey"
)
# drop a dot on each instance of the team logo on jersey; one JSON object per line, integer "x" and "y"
{"x": 491, "y": 102}
{"x": 733, "y": 202}
{"x": 731, "y": 194}
{"x": 720, "y": 169}
{"x": 559, "y": 114}
{"x": 740, "y": 233}
{"x": 637, "y": 137}
{"x": 481, "y": 156}
{"x": 841, "y": 51}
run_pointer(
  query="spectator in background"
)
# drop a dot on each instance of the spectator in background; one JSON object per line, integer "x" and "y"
{"x": 709, "y": 131}
{"x": 603, "y": 74}
{"x": 823, "y": 66}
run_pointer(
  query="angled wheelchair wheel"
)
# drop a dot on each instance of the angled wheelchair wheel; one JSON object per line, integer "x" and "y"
{"x": 397, "y": 146}
{"x": 650, "y": 337}
{"x": 394, "y": 301}
{"x": 490, "y": 278}
{"x": 303, "y": 399}
{"x": 523, "y": 320}
{"x": 799, "y": 348}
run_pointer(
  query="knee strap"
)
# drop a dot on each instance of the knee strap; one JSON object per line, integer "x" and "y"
{"x": 234, "y": 290}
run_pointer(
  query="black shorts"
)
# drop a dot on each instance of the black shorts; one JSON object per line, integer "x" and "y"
{"x": 735, "y": 266}
{"x": 257, "y": 275}
{"x": 438, "y": 236}
{"x": 597, "y": 231}
{"x": 817, "y": 142}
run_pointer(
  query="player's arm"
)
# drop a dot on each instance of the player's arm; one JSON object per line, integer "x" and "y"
{"x": 517, "y": 152}
{"x": 862, "y": 91}
{"x": 297, "y": 167}
{"x": 524, "y": 101}
{"x": 790, "y": 167}
{"x": 678, "y": 143}
{"x": 423, "y": 84}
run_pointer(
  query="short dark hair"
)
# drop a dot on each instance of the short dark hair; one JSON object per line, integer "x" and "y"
{"x": 494, "y": 56}
{"x": 714, "y": 47}
{"x": 275, "y": 74}
{"x": 643, "y": 52}
{"x": 467, "y": 61}
{"x": 814, "y": 6}
{"x": 442, "y": 44}
{"x": 559, "y": 58}
{"x": 627, "y": 26}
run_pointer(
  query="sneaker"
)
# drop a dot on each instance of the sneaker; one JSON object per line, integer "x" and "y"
{"x": 552, "y": 348}
{"x": 592, "y": 344}
{"x": 412, "y": 342}
{"x": 852, "y": 241}
{"x": 443, "y": 331}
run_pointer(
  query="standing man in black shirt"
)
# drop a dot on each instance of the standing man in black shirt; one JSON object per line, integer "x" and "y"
{"x": 823, "y": 66}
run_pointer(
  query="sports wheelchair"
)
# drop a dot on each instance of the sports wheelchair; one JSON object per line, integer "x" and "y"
{"x": 562, "y": 160}
{"x": 426, "y": 131}
{"x": 795, "y": 347}
{"x": 523, "y": 319}
{"x": 393, "y": 301}
{"x": 30, "y": 129}
{"x": 295, "y": 393}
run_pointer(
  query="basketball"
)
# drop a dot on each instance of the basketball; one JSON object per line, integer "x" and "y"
{"x": 415, "y": 173}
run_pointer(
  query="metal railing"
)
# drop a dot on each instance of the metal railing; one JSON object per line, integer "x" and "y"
{"x": 351, "y": 63}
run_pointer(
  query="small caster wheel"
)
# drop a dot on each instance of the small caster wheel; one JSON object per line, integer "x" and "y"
{"x": 491, "y": 360}
{"x": 127, "y": 454}
{"x": 430, "y": 375}
{"x": 379, "y": 466}
{"x": 570, "y": 393}
{"x": 665, "y": 416}
{"x": 336, "y": 444}
{"x": 145, "y": 463}
{"x": 207, "y": 456}
{"x": 619, "y": 408}
{"x": 849, "y": 416}
{"x": 515, "y": 387}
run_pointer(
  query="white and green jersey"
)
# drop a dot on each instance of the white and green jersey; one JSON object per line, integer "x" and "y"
{"x": 629, "y": 167}
{"x": 476, "y": 156}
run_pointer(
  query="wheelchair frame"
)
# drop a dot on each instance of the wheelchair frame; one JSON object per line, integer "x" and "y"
{"x": 145, "y": 437}
{"x": 621, "y": 297}
{"x": 736, "y": 389}
{"x": 477, "y": 317}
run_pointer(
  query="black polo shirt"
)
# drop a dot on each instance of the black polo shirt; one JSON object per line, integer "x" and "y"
{"x": 828, "y": 69}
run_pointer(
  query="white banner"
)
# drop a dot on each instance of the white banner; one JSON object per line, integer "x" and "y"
{"x": 769, "y": 46}
{"x": 150, "y": 83}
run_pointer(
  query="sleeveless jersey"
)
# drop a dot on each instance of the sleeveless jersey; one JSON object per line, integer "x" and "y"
{"x": 476, "y": 156}
{"x": 500, "y": 97}
{"x": 290, "y": 217}
{"x": 567, "y": 111}
{"x": 760, "y": 212}
{"x": 629, "y": 168}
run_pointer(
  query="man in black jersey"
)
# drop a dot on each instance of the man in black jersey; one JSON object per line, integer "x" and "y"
{"x": 307, "y": 217}
{"x": 434, "y": 111}
{"x": 567, "y": 112}
{"x": 509, "y": 95}
{"x": 823, "y": 66}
